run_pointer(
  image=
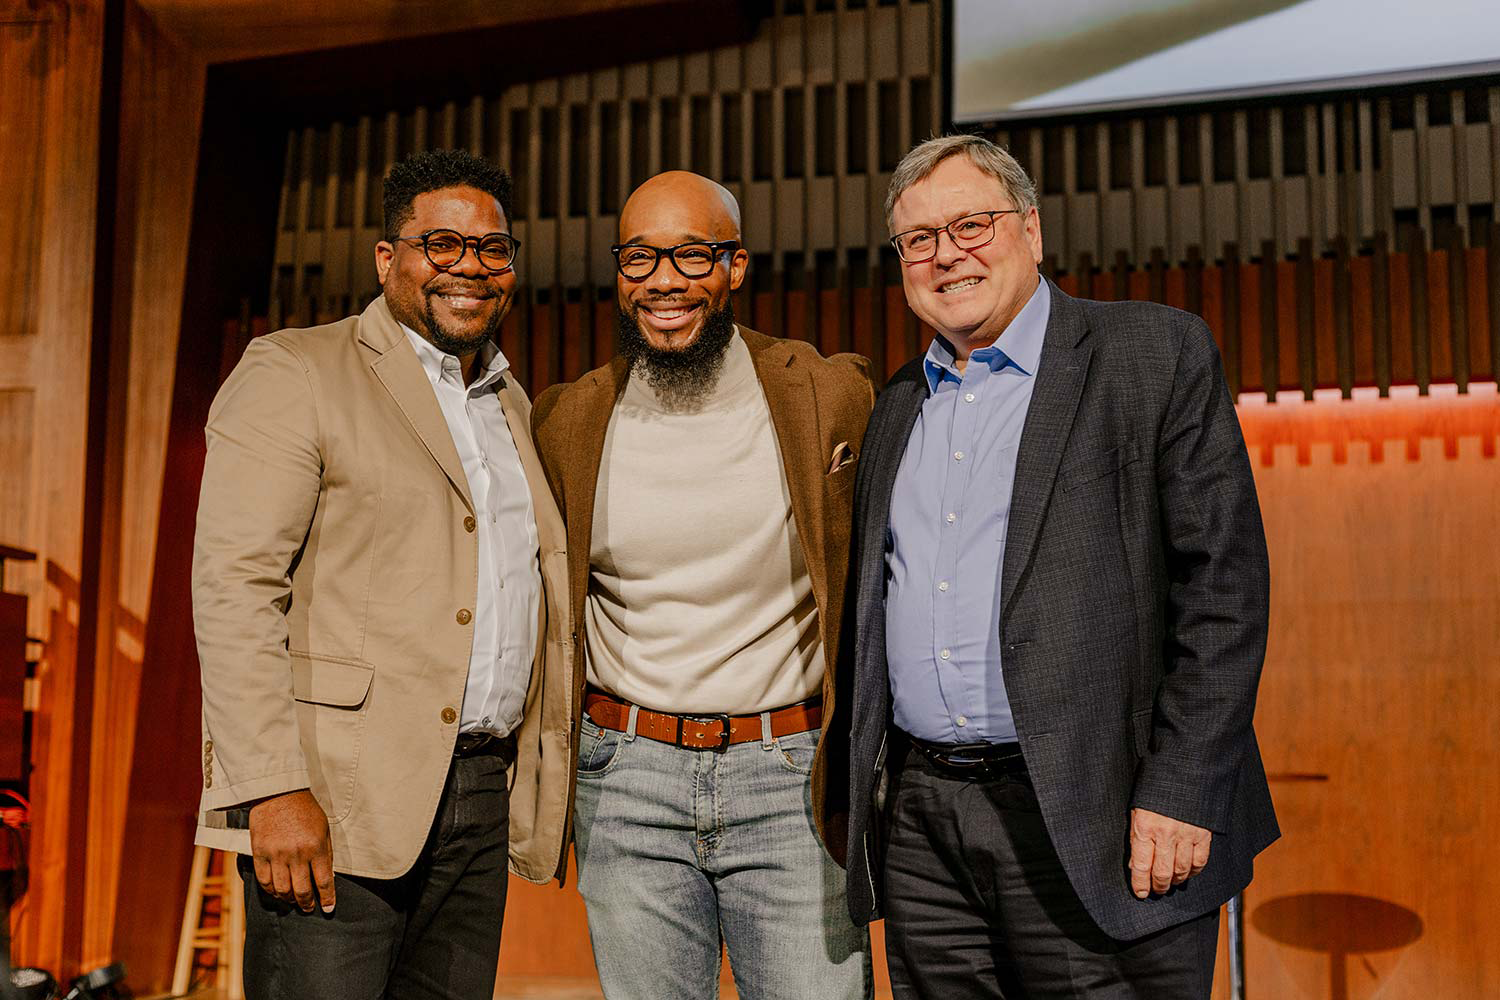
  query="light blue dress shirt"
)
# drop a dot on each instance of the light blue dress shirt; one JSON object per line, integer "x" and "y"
{"x": 945, "y": 545}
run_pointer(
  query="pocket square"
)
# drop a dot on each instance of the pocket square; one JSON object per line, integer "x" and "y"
{"x": 842, "y": 455}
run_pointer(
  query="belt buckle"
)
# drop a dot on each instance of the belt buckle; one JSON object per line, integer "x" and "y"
{"x": 723, "y": 722}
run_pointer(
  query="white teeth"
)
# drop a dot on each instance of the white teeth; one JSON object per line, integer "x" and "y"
{"x": 959, "y": 285}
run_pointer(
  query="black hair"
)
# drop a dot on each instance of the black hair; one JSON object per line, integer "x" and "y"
{"x": 434, "y": 170}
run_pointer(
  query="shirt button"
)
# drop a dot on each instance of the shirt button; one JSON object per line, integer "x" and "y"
{"x": 958, "y": 456}
{"x": 943, "y": 586}
{"x": 469, "y": 523}
{"x": 952, "y": 518}
{"x": 463, "y": 617}
{"x": 968, "y": 397}
{"x": 945, "y": 654}
{"x": 962, "y": 721}
{"x": 449, "y": 716}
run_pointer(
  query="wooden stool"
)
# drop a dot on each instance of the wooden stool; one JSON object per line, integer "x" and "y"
{"x": 214, "y": 876}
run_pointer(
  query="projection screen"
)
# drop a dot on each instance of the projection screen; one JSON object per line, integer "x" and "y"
{"x": 1014, "y": 59}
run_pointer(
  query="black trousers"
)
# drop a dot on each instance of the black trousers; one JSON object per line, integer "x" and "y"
{"x": 432, "y": 933}
{"x": 978, "y": 905}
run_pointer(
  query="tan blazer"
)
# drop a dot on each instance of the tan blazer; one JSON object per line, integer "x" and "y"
{"x": 819, "y": 407}
{"x": 334, "y": 576}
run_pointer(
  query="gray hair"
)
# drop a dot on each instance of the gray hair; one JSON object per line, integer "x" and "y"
{"x": 994, "y": 160}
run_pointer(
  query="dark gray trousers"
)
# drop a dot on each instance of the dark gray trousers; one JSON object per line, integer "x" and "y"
{"x": 978, "y": 905}
{"x": 432, "y": 933}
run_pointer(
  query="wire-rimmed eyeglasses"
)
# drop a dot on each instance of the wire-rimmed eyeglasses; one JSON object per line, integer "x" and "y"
{"x": 967, "y": 233}
{"x": 638, "y": 261}
{"x": 444, "y": 248}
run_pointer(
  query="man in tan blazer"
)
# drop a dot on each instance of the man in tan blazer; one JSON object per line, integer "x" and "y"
{"x": 705, "y": 476}
{"x": 386, "y": 691}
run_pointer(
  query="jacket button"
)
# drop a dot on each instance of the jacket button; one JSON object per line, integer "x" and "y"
{"x": 469, "y": 523}
{"x": 463, "y": 617}
{"x": 208, "y": 780}
{"x": 449, "y": 716}
{"x": 208, "y": 746}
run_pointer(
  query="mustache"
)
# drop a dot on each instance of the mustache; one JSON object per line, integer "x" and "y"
{"x": 478, "y": 289}
{"x": 666, "y": 300}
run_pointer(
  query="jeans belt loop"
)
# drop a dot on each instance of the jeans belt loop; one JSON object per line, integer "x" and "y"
{"x": 635, "y": 711}
{"x": 767, "y": 741}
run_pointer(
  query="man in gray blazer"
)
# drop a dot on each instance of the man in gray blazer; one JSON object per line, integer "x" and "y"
{"x": 1060, "y": 594}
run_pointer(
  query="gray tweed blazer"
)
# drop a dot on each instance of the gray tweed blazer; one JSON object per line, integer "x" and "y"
{"x": 1134, "y": 608}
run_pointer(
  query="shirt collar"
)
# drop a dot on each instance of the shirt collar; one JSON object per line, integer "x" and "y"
{"x": 1019, "y": 347}
{"x": 438, "y": 364}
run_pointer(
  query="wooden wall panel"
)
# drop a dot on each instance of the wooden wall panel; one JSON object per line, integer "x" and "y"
{"x": 17, "y": 464}
{"x": 1381, "y": 696}
{"x": 25, "y": 45}
{"x": 161, "y": 100}
{"x": 52, "y": 104}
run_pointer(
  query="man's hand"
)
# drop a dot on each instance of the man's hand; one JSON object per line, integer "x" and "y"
{"x": 1164, "y": 852}
{"x": 290, "y": 848}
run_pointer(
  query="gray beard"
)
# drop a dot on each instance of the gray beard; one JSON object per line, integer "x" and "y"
{"x": 682, "y": 379}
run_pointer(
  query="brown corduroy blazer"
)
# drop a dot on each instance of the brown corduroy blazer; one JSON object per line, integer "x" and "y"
{"x": 334, "y": 577}
{"x": 819, "y": 407}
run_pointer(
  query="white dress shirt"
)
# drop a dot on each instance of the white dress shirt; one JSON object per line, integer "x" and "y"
{"x": 510, "y": 581}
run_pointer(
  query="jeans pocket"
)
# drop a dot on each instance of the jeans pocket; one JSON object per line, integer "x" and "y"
{"x": 796, "y": 751}
{"x": 598, "y": 749}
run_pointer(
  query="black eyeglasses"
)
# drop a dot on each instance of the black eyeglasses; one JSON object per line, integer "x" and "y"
{"x": 638, "y": 261}
{"x": 444, "y": 248}
{"x": 968, "y": 233}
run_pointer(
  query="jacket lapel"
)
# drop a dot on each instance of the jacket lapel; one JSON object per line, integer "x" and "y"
{"x": 1060, "y": 379}
{"x": 400, "y": 371}
{"x": 897, "y": 411}
{"x": 580, "y": 472}
{"x": 790, "y": 396}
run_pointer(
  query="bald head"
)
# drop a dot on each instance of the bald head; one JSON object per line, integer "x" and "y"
{"x": 683, "y": 203}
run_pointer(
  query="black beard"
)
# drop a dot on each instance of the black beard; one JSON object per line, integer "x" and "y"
{"x": 451, "y": 343}
{"x": 681, "y": 377}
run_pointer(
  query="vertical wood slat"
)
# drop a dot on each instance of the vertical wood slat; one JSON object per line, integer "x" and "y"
{"x": 552, "y": 372}
{"x": 1307, "y": 358}
{"x": 1157, "y": 270}
{"x": 878, "y": 364}
{"x": 1458, "y": 314}
{"x": 1421, "y": 346}
{"x": 1343, "y": 317}
{"x": 1194, "y": 285}
{"x": 845, "y": 318}
{"x": 1380, "y": 312}
{"x": 811, "y": 301}
{"x": 1493, "y": 254}
{"x": 1234, "y": 370}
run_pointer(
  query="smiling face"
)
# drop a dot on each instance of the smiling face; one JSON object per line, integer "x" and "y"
{"x": 459, "y": 308}
{"x": 672, "y": 311}
{"x": 968, "y": 296}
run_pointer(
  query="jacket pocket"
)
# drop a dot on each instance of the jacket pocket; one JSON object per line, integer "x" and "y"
{"x": 332, "y": 696}
{"x": 1140, "y": 731}
{"x": 1097, "y": 466}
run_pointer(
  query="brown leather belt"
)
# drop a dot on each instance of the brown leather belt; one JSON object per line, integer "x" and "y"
{"x": 701, "y": 732}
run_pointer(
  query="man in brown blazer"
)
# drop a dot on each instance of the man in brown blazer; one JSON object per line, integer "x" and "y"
{"x": 386, "y": 689}
{"x": 705, "y": 479}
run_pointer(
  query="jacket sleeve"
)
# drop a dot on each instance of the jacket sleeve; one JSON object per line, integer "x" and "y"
{"x": 1218, "y": 597}
{"x": 261, "y": 483}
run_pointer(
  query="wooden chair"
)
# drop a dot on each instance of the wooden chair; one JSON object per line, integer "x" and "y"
{"x": 213, "y": 877}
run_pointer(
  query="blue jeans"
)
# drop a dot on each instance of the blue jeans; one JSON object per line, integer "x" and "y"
{"x": 679, "y": 850}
